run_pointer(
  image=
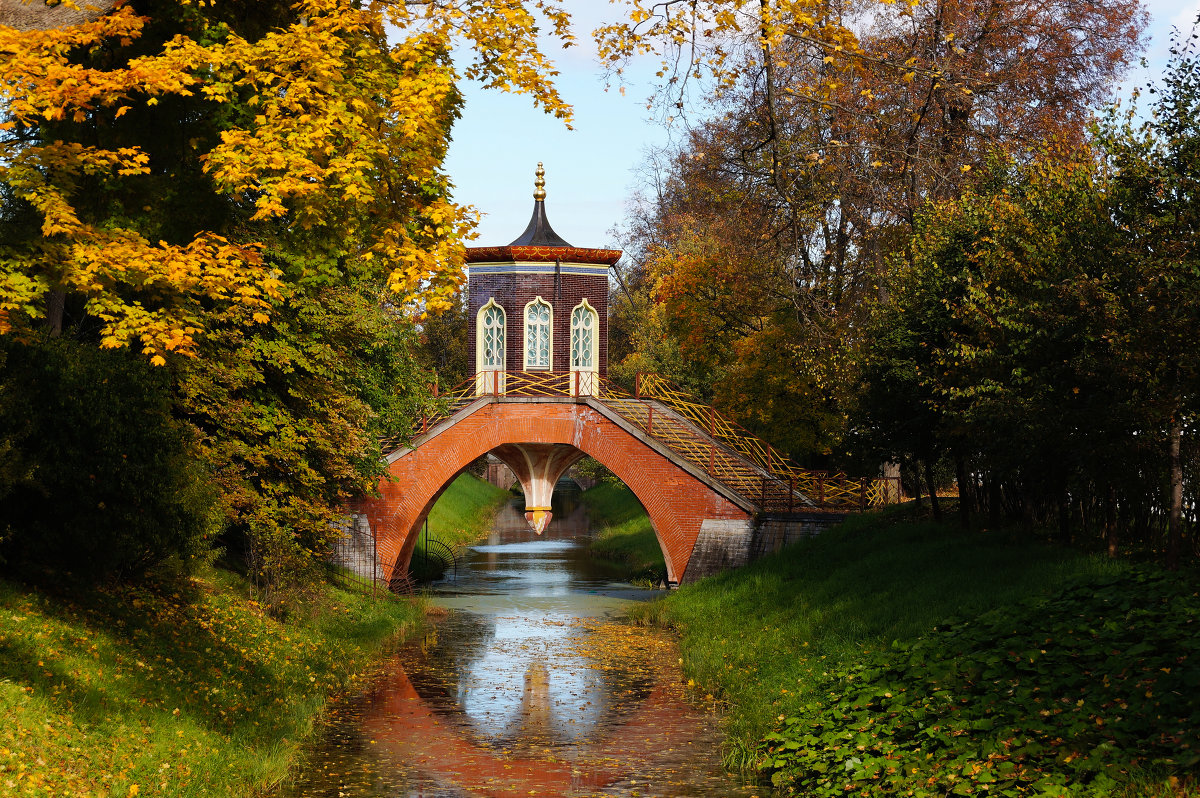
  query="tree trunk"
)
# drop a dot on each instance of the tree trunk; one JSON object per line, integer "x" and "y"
{"x": 1111, "y": 536}
{"x": 965, "y": 491}
{"x": 1175, "y": 519}
{"x": 1064, "y": 517}
{"x": 56, "y": 302}
{"x": 994, "y": 500}
{"x": 933, "y": 498}
{"x": 917, "y": 483}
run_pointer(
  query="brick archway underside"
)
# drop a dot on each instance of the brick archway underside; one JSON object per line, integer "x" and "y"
{"x": 677, "y": 502}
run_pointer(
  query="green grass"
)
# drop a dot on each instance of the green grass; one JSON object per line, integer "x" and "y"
{"x": 463, "y": 514}
{"x": 780, "y": 638}
{"x": 625, "y": 536}
{"x": 189, "y": 690}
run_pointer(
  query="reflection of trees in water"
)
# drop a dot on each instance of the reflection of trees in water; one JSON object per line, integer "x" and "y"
{"x": 439, "y": 671}
{"x": 565, "y": 499}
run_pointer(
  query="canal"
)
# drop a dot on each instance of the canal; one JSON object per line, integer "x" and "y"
{"x": 526, "y": 684}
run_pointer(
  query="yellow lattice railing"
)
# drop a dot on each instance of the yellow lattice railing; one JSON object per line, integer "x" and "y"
{"x": 694, "y": 431}
{"x": 441, "y": 404}
{"x": 829, "y": 490}
{"x": 707, "y": 418}
{"x": 741, "y": 458}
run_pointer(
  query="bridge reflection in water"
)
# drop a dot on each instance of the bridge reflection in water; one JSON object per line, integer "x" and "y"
{"x": 525, "y": 687}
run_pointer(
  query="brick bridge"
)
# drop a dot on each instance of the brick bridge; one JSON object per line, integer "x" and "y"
{"x": 717, "y": 497}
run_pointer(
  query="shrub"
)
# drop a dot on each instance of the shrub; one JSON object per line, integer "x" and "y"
{"x": 99, "y": 479}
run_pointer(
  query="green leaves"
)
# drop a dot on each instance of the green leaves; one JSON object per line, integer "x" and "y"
{"x": 1026, "y": 700}
{"x": 1031, "y": 337}
{"x": 254, "y": 196}
{"x": 98, "y": 477}
{"x": 291, "y": 415}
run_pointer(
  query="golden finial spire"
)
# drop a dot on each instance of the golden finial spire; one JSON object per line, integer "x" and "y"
{"x": 539, "y": 190}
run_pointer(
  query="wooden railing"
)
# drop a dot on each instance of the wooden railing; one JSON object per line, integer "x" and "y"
{"x": 696, "y": 432}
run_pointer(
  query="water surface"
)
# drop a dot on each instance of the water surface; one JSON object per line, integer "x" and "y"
{"x": 525, "y": 685}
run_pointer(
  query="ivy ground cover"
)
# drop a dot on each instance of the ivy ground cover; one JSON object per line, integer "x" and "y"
{"x": 900, "y": 657}
{"x": 1094, "y": 690}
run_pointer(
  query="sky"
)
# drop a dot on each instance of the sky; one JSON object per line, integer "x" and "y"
{"x": 592, "y": 170}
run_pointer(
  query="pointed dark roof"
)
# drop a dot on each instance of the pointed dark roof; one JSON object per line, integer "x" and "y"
{"x": 539, "y": 233}
{"x": 539, "y": 243}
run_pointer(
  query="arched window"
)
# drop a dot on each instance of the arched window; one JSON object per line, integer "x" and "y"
{"x": 585, "y": 343}
{"x": 490, "y": 337}
{"x": 537, "y": 335}
{"x": 489, "y": 349}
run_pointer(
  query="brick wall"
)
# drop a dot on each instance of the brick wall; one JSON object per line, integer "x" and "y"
{"x": 563, "y": 292}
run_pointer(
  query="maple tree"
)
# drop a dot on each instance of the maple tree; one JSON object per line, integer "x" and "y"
{"x": 289, "y": 419}
{"x": 326, "y": 124}
{"x": 251, "y": 194}
{"x": 43, "y": 91}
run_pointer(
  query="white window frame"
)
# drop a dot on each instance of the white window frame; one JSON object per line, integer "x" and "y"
{"x": 587, "y": 383}
{"x": 485, "y": 381}
{"x": 527, "y": 364}
{"x": 587, "y": 308}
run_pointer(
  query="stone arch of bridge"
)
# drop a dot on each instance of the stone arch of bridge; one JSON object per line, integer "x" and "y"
{"x": 676, "y": 502}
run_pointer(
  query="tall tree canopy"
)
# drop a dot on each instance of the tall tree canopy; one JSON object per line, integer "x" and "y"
{"x": 1043, "y": 331}
{"x": 827, "y": 128}
{"x": 300, "y": 119}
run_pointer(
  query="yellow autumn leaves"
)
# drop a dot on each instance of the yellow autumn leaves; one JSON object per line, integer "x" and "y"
{"x": 331, "y": 127}
{"x": 707, "y": 38}
{"x": 143, "y": 691}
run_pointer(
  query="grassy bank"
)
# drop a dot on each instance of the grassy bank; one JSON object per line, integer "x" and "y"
{"x": 190, "y": 690}
{"x": 898, "y": 656}
{"x": 625, "y": 535}
{"x": 463, "y": 514}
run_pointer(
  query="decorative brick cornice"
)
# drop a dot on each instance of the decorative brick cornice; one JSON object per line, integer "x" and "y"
{"x": 542, "y": 254}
